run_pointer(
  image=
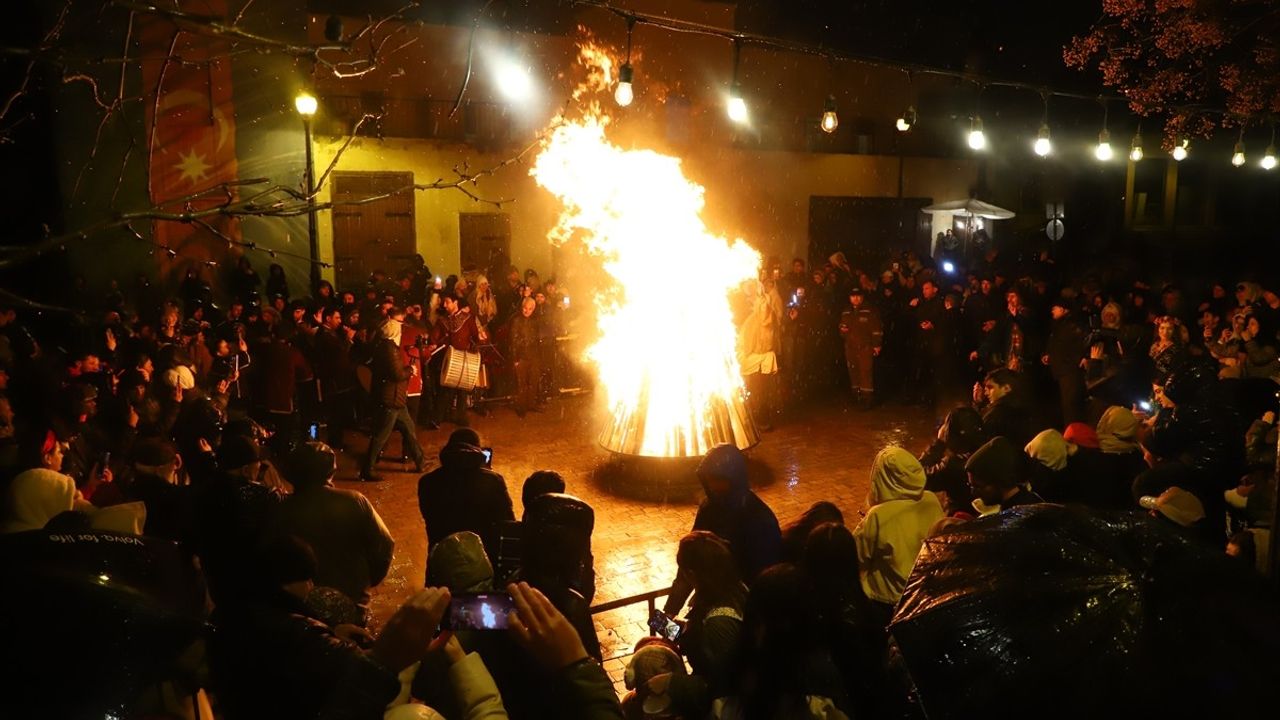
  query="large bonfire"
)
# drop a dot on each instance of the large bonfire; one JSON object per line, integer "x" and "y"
{"x": 666, "y": 353}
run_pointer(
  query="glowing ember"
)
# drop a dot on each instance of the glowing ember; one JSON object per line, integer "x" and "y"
{"x": 666, "y": 352}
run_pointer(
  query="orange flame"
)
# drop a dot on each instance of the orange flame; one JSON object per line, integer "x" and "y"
{"x": 666, "y": 352}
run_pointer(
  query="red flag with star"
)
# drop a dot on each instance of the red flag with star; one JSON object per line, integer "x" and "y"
{"x": 191, "y": 139}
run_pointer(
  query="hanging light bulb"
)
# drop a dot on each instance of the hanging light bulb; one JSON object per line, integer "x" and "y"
{"x": 977, "y": 138}
{"x": 1237, "y": 155}
{"x": 1042, "y": 145}
{"x": 907, "y": 119}
{"x": 1181, "y": 150}
{"x": 1103, "y": 150}
{"x": 623, "y": 94}
{"x": 737, "y": 107}
{"x": 1268, "y": 161}
{"x": 1135, "y": 147}
{"x": 830, "y": 121}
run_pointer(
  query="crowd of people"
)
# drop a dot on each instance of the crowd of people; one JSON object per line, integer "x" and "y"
{"x": 219, "y": 428}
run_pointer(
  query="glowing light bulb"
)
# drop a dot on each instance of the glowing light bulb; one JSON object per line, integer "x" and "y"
{"x": 1237, "y": 155}
{"x": 977, "y": 138}
{"x": 1135, "y": 148}
{"x": 737, "y": 107}
{"x": 1268, "y": 161}
{"x": 306, "y": 104}
{"x": 908, "y": 119}
{"x": 1042, "y": 145}
{"x": 1103, "y": 150}
{"x": 514, "y": 81}
{"x": 829, "y": 119}
{"x": 624, "y": 93}
{"x": 1180, "y": 151}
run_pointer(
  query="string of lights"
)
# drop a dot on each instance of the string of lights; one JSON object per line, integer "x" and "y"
{"x": 738, "y": 112}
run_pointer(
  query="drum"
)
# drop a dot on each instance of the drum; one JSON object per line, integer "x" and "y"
{"x": 460, "y": 369}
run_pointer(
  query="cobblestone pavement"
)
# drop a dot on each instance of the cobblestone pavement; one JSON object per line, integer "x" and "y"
{"x": 825, "y": 454}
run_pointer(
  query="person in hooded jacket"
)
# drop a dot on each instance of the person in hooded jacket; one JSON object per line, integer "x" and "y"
{"x": 733, "y": 512}
{"x": 1201, "y": 430}
{"x": 556, "y": 559}
{"x": 1063, "y": 472}
{"x": 1117, "y": 433}
{"x": 890, "y": 536}
{"x": 391, "y": 376}
{"x": 463, "y": 493}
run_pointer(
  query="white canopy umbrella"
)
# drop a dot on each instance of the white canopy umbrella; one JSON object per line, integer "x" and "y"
{"x": 969, "y": 208}
{"x": 966, "y": 209}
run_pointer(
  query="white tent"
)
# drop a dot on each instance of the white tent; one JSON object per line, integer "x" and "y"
{"x": 945, "y": 213}
{"x": 969, "y": 208}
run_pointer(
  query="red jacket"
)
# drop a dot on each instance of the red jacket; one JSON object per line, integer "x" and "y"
{"x": 411, "y": 354}
{"x": 458, "y": 330}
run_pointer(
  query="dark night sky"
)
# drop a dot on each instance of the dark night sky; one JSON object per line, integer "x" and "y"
{"x": 1000, "y": 38}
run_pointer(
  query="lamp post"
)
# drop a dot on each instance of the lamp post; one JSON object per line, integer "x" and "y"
{"x": 306, "y": 105}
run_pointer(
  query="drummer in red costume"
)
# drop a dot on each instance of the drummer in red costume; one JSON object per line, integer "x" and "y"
{"x": 459, "y": 330}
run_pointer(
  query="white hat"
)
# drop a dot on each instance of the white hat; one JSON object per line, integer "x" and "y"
{"x": 180, "y": 377}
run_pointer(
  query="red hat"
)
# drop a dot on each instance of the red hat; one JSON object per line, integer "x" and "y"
{"x": 1081, "y": 434}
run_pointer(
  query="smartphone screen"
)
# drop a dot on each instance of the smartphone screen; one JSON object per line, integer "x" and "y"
{"x": 478, "y": 611}
{"x": 488, "y": 456}
{"x": 663, "y": 626}
{"x": 313, "y": 431}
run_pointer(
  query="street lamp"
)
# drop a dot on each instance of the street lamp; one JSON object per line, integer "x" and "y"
{"x": 306, "y": 105}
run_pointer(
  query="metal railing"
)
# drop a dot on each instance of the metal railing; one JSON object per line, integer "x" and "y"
{"x": 649, "y": 598}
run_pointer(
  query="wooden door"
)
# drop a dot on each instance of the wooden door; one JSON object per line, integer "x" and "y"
{"x": 484, "y": 241}
{"x": 377, "y": 235}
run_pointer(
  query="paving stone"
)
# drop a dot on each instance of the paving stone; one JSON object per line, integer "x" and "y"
{"x": 826, "y": 454}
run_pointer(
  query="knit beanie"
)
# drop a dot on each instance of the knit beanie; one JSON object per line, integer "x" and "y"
{"x": 995, "y": 463}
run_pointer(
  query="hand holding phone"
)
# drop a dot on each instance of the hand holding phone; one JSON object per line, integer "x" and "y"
{"x": 665, "y": 626}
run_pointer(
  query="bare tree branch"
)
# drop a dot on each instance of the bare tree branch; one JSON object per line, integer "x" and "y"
{"x": 355, "y": 130}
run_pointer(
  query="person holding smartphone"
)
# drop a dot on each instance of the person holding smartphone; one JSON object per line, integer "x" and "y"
{"x": 464, "y": 493}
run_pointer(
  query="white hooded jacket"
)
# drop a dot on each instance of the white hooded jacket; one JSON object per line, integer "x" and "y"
{"x": 890, "y": 536}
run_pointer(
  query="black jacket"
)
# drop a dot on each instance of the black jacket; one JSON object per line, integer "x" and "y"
{"x": 352, "y": 544}
{"x": 1065, "y": 347}
{"x": 463, "y": 494}
{"x": 273, "y": 660}
{"x": 741, "y": 518}
{"x": 390, "y": 375}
